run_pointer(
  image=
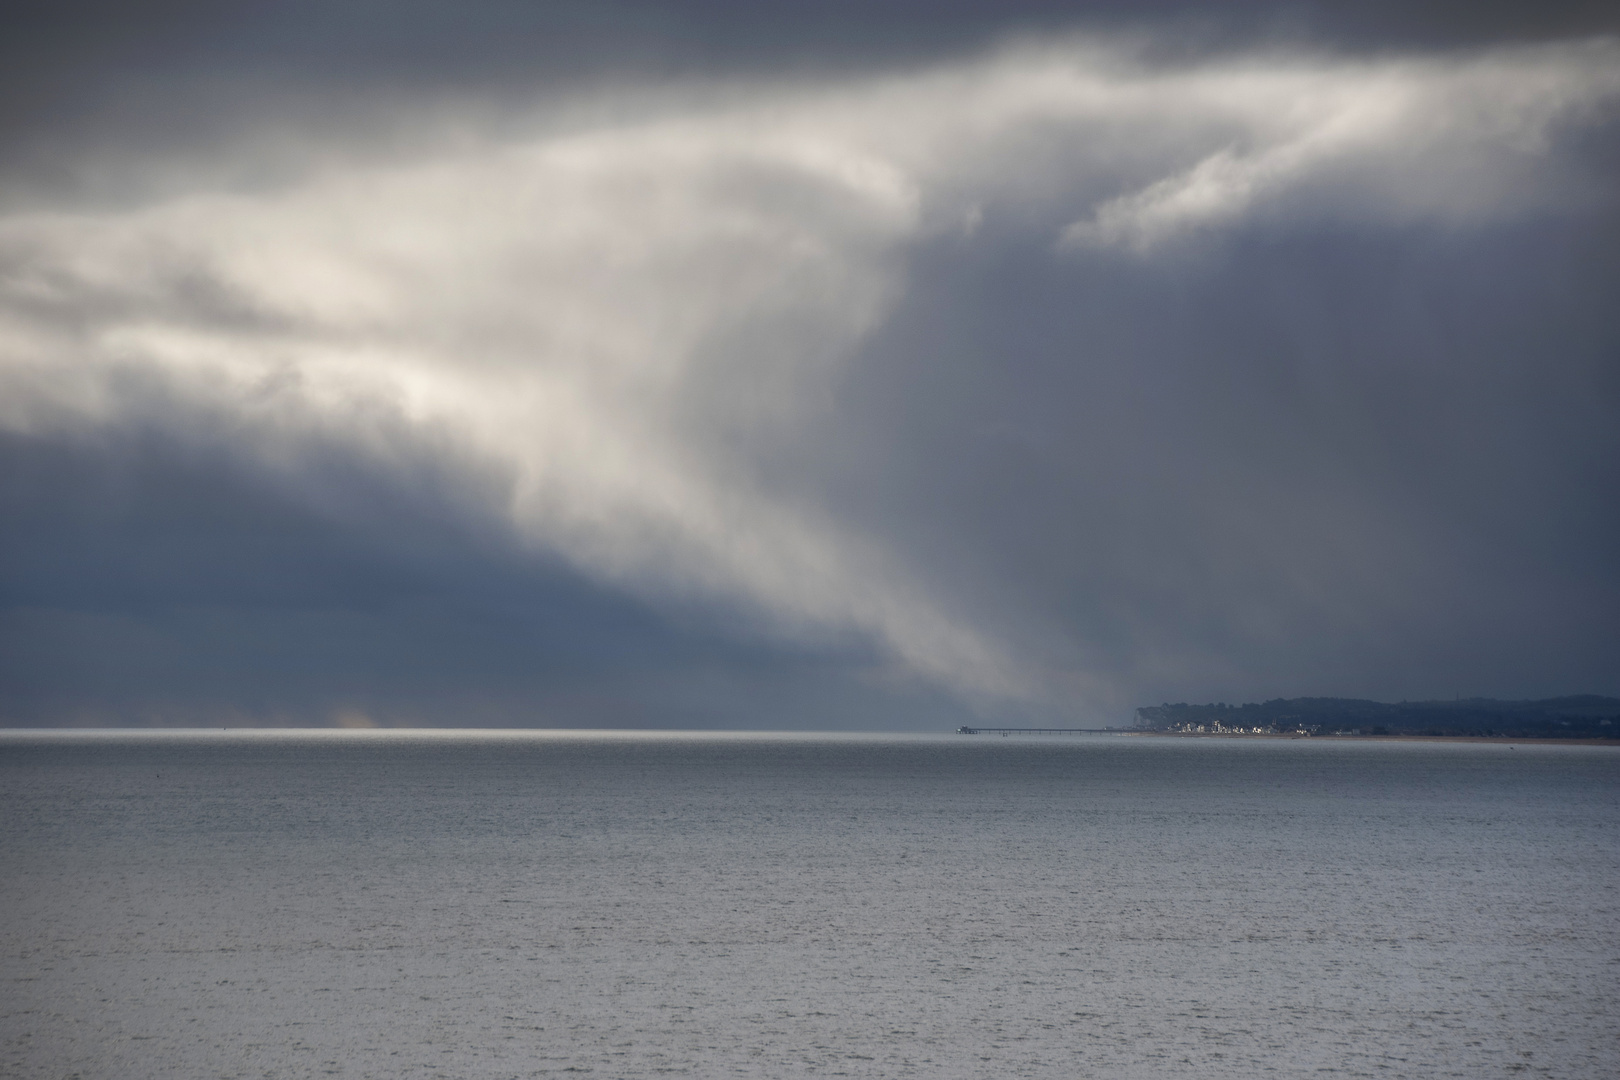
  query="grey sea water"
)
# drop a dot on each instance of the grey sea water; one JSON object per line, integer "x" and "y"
{"x": 515, "y": 905}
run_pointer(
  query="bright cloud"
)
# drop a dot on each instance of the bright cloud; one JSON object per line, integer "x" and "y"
{"x": 606, "y": 322}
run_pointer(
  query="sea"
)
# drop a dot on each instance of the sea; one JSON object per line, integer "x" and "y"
{"x": 537, "y": 904}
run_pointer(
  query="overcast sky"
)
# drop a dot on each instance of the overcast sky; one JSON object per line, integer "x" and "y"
{"x": 882, "y": 366}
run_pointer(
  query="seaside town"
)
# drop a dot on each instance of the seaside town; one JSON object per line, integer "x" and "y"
{"x": 1580, "y": 717}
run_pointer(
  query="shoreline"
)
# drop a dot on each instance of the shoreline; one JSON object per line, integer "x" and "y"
{"x": 1529, "y": 740}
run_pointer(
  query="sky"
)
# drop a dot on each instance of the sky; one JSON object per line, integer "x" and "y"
{"x": 883, "y": 366}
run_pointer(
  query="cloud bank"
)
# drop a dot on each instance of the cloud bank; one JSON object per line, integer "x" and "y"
{"x": 627, "y": 322}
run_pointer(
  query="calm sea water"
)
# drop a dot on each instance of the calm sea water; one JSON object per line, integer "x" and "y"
{"x": 476, "y": 906}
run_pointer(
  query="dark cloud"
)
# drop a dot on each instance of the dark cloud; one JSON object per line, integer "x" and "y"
{"x": 1343, "y": 418}
{"x": 177, "y": 73}
{"x": 1329, "y": 460}
{"x": 147, "y": 581}
{"x": 427, "y": 38}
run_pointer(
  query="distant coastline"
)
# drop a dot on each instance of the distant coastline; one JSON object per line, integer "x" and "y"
{"x": 1275, "y": 736}
{"x": 1583, "y": 718}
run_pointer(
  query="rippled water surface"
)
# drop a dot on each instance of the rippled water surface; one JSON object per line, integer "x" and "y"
{"x": 478, "y": 906}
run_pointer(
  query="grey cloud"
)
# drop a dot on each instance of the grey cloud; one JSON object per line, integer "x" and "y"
{"x": 1053, "y": 379}
{"x": 153, "y": 582}
{"x": 1334, "y": 461}
{"x": 157, "y": 85}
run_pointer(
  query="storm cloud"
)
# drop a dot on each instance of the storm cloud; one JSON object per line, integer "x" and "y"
{"x": 1046, "y": 376}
